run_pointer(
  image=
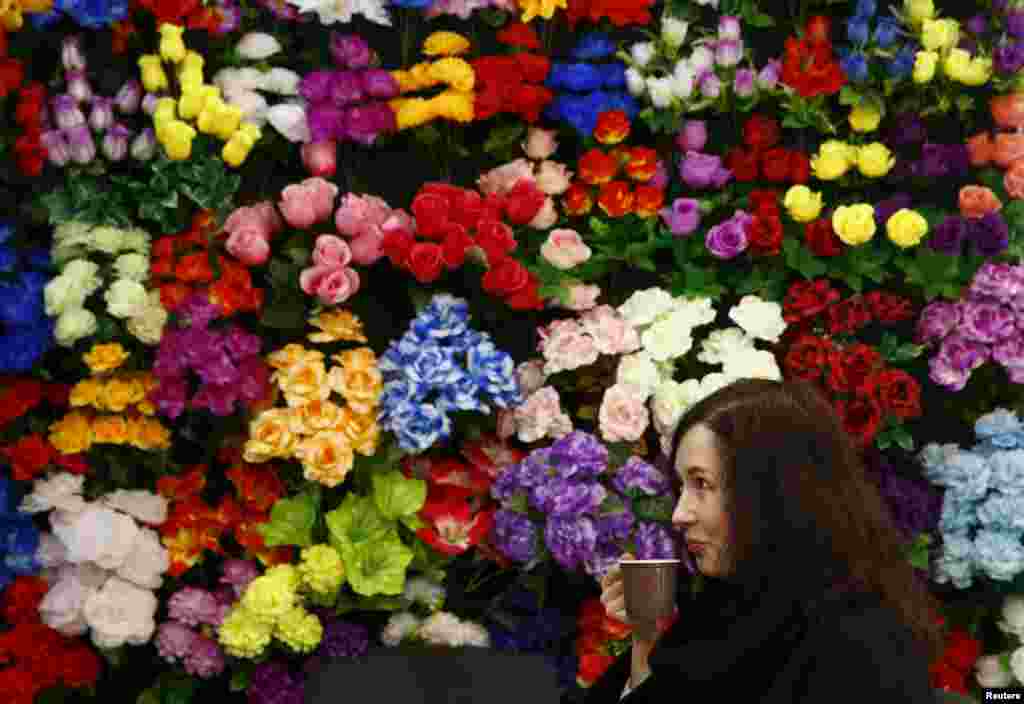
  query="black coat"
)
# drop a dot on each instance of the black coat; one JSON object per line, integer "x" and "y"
{"x": 841, "y": 647}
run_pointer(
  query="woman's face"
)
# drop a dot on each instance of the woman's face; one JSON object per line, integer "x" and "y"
{"x": 700, "y": 513}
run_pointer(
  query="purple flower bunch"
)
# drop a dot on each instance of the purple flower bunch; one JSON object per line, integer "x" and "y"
{"x": 935, "y": 160}
{"x": 592, "y": 514}
{"x": 178, "y": 640}
{"x": 988, "y": 236}
{"x": 1004, "y": 30}
{"x": 349, "y": 103}
{"x": 987, "y": 325}
{"x": 227, "y": 361}
{"x": 79, "y": 118}
{"x": 274, "y": 682}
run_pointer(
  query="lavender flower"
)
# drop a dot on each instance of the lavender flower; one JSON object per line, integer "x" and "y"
{"x": 83, "y": 148}
{"x": 987, "y": 322}
{"x": 515, "y": 536}
{"x": 238, "y": 574}
{"x": 937, "y": 320}
{"x": 703, "y": 170}
{"x": 1002, "y": 282}
{"x": 743, "y": 83}
{"x": 769, "y": 76}
{"x": 570, "y": 540}
{"x": 174, "y": 641}
{"x": 58, "y": 151}
{"x": 78, "y": 86}
{"x": 615, "y": 527}
{"x": 149, "y": 101}
{"x": 1009, "y": 57}
{"x": 101, "y": 116}
{"x": 693, "y": 136}
{"x": 710, "y": 85}
{"x": 637, "y": 476}
{"x": 115, "y": 142}
{"x": 728, "y": 52}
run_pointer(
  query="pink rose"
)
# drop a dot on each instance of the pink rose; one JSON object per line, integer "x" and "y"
{"x": 564, "y": 249}
{"x": 249, "y": 247}
{"x": 531, "y": 376}
{"x": 357, "y": 214}
{"x": 540, "y": 144}
{"x": 331, "y": 251}
{"x": 262, "y": 218}
{"x": 553, "y": 178}
{"x": 320, "y": 158}
{"x": 323, "y": 193}
{"x": 368, "y": 248}
{"x": 546, "y": 216}
{"x": 501, "y": 180}
{"x": 582, "y": 297}
{"x": 611, "y": 332}
{"x": 623, "y": 416}
{"x": 541, "y": 416}
{"x": 309, "y": 202}
{"x": 398, "y": 220}
{"x": 331, "y": 284}
{"x": 1013, "y": 180}
{"x": 565, "y": 346}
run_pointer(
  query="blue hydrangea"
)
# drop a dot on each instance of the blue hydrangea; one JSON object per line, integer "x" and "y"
{"x": 461, "y": 394}
{"x": 576, "y": 77}
{"x": 613, "y": 75}
{"x": 958, "y": 513}
{"x": 965, "y": 472}
{"x": 1001, "y": 426}
{"x": 26, "y": 332}
{"x": 1002, "y": 512}
{"x": 1008, "y": 471}
{"x": 419, "y": 426}
{"x": 432, "y": 365}
{"x": 955, "y": 564}
{"x": 596, "y": 45}
{"x": 999, "y": 554}
{"x": 494, "y": 373}
{"x": 515, "y": 535}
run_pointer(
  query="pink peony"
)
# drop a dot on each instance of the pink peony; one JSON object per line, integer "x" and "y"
{"x": 500, "y": 180}
{"x": 553, "y": 178}
{"x": 250, "y": 230}
{"x": 331, "y": 250}
{"x": 611, "y": 332}
{"x": 540, "y": 144}
{"x": 623, "y": 416}
{"x": 564, "y": 249}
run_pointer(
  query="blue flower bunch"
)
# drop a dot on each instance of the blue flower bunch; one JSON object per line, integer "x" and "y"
{"x": 883, "y": 40}
{"x": 93, "y": 14}
{"x": 591, "y": 513}
{"x": 19, "y": 538}
{"x": 26, "y": 333}
{"x": 982, "y": 523}
{"x": 583, "y": 90}
{"x": 440, "y": 366}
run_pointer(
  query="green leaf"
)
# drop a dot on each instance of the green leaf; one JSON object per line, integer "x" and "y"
{"x": 848, "y": 96}
{"x": 396, "y": 496}
{"x": 897, "y": 352}
{"x": 285, "y": 314}
{"x": 357, "y": 520}
{"x": 239, "y": 680}
{"x": 376, "y": 566}
{"x": 501, "y": 139}
{"x": 149, "y": 696}
{"x": 800, "y": 259}
{"x": 178, "y": 691}
{"x": 654, "y": 508}
{"x": 292, "y": 520}
{"x": 412, "y": 522}
{"x": 992, "y": 178}
{"x": 917, "y": 551}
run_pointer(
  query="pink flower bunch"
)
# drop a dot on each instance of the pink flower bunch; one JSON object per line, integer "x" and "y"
{"x": 570, "y": 344}
{"x": 464, "y": 8}
{"x": 365, "y": 220}
{"x": 330, "y": 279}
{"x": 308, "y": 202}
{"x": 249, "y": 230}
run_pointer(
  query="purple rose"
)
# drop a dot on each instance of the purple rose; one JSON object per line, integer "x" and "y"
{"x": 316, "y": 86}
{"x": 693, "y": 136}
{"x": 937, "y": 320}
{"x": 380, "y": 84}
{"x": 350, "y": 51}
{"x": 948, "y": 236}
{"x": 1002, "y": 282}
{"x": 641, "y": 476}
{"x": 346, "y": 88}
{"x": 514, "y": 535}
{"x": 654, "y": 542}
{"x": 570, "y": 540}
{"x": 579, "y": 455}
{"x": 660, "y": 178}
{"x": 987, "y": 322}
{"x": 728, "y": 239}
{"x": 683, "y": 217}
{"x": 703, "y": 170}
{"x": 989, "y": 234}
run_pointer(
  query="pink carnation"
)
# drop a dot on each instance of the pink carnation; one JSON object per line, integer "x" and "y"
{"x": 541, "y": 416}
{"x": 566, "y": 346}
{"x": 308, "y": 202}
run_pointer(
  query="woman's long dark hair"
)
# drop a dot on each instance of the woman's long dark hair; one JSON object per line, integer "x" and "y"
{"x": 802, "y": 512}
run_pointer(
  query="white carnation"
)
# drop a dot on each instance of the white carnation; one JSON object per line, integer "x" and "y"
{"x": 120, "y": 613}
{"x": 62, "y": 607}
{"x": 51, "y": 552}
{"x": 671, "y": 400}
{"x": 713, "y": 382}
{"x": 635, "y": 82}
{"x": 751, "y": 364}
{"x": 147, "y": 562}
{"x": 694, "y": 312}
{"x": 642, "y": 53}
{"x": 644, "y": 307}
{"x": 723, "y": 343}
{"x": 63, "y": 293}
{"x": 98, "y": 534}
{"x": 761, "y": 319}
{"x": 444, "y": 628}
{"x": 660, "y": 90}
{"x": 639, "y": 370}
{"x": 73, "y": 325}
{"x": 106, "y": 239}
{"x": 126, "y": 298}
{"x": 148, "y": 328}
{"x": 132, "y": 266}
{"x": 673, "y": 31}
{"x": 139, "y": 504}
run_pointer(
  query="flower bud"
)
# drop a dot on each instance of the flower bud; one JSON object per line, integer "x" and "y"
{"x": 153, "y": 76}
{"x": 66, "y": 112}
{"x": 673, "y": 31}
{"x": 320, "y": 158}
{"x": 710, "y": 85}
{"x": 83, "y": 148}
{"x": 743, "y": 83}
{"x": 143, "y": 147}
{"x": 768, "y": 77}
{"x": 58, "y": 151}
{"x": 128, "y": 97}
{"x": 728, "y": 27}
{"x": 102, "y": 114}
{"x": 728, "y": 52}
{"x": 115, "y": 142}
{"x": 71, "y": 54}
{"x": 172, "y": 45}
{"x": 78, "y": 86}
{"x": 149, "y": 103}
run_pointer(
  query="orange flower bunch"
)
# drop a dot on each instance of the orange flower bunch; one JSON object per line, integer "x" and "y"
{"x": 184, "y": 263}
{"x": 599, "y": 173}
{"x": 1004, "y": 149}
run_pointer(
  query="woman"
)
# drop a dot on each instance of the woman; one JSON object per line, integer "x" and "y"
{"x": 806, "y": 593}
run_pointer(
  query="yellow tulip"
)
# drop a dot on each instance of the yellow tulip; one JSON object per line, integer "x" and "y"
{"x": 191, "y": 80}
{"x": 177, "y": 141}
{"x": 237, "y": 149}
{"x": 193, "y": 61}
{"x": 252, "y": 130}
{"x": 924, "y": 66}
{"x": 172, "y": 45}
{"x": 153, "y": 77}
{"x": 865, "y": 116}
{"x": 190, "y": 104}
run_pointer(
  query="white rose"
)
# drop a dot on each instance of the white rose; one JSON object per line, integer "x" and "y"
{"x": 991, "y": 673}
{"x": 132, "y": 266}
{"x": 635, "y": 82}
{"x": 667, "y": 339}
{"x": 644, "y": 307}
{"x": 751, "y": 364}
{"x": 239, "y": 80}
{"x": 723, "y": 343}
{"x": 1013, "y": 611}
{"x": 660, "y": 90}
{"x": 126, "y": 298}
{"x": 673, "y": 31}
{"x": 140, "y": 504}
{"x": 62, "y": 491}
{"x": 642, "y": 53}
{"x": 257, "y": 46}
{"x": 639, "y": 370}
{"x": 761, "y": 319}
{"x": 281, "y": 81}
{"x": 289, "y": 120}
{"x": 106, "y": 239}
{"x": 120, "y": 613}
{"x": 683, "y": 80}
{"x": 694, "y": 312}
{"x": 713, "y": 382}
{"x": 147, "y": 562}
{"x": 135, "y": 240}
{"x": 73, "y": 325}
{"x": 63, "y": 293}
{"x": 671, "y": 400}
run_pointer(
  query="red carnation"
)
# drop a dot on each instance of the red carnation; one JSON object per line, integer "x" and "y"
{"x": 12, "y": 73}
{"x": 861, "y": 417}
{"x": 765, "y": 233}
{"x": 528, "y": 101}
{"x": 519, "y": 34}
{"x": 534, "y": 68}
{"x": 889, "y": 308}
{"x": 396, "y": 246}
{"x": 29, "y": 456}
{"x": 810, "y": 68}
{"x": 898, "y": 393}
{"x": 850, "y": 369}
{"x": 848, "y": 316}
{"x": 808, "y": 357}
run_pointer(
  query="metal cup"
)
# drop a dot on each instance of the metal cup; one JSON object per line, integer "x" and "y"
{"x": 650, "y": 590}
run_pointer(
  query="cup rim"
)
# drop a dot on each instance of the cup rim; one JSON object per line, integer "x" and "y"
{"x": 664, "y": 561}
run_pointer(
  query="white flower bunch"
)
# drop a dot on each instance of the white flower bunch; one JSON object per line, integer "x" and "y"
{"x": 1005, "y": 669}
{"x": 332, "y": 11}
{"x": 125, "y": 253}
{"x": 102, "y": 560}
{"x": 440, "y": 628}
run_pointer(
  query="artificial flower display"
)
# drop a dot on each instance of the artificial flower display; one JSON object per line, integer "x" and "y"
{"x": 454, "y": 103}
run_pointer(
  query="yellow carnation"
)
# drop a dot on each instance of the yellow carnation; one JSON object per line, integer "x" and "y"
{"x": 303, "y": 382}
{"x": 110, "y": 430}
{"x": 875, "y": 160}
{"x": 322, "y": 569}
{"x": 299, "y": 630}
{"x": 72, "y": 433}
{"x": 149, "y": 434}
{"x": 120, "y": 392}
{"x": 445, "y": 44}
{"x": 454, "y": 105}
{"x": 906, "y": 228}
{"x": 236, "y": 150}
{"x": 105, "y": 358}
{"x": 360, "y": 429}
{"x": 455, "y": 72}
{"x": 317, "y": 415}
{"x": 854, "y": 224}
{"x": 411, "y": 112}
{"x": 291, "y": 354}
{"x": 244, "y": 635}
{"x": 802, "y": 204}
{"x": 177, "y": 140}
{"x": 540, "y": 8}
{"x": 269, "y": 597}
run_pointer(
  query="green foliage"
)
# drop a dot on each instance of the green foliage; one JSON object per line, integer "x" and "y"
{"x": 292, "y": 520}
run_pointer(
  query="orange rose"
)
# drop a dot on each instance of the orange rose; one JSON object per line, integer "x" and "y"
{"x": 981, "y": 149}
{"x": 358, "y": 379}
{"x": 318, "y": 415}
{"x": 292, "y": 354}
{"x": 1008, "y": 110}
{"x": 978, "y": 201}
{"x": 121, "y": 392}
{"x": 1009, "y": 148}
{"x": 615, "y": 199}
{"x": 271, "y": 434}
{"x": 360, "y": 429}
{"x": 149, "y": 434}
{"x": 1013, "y": 180}
{"x": 648, "y": 201}
{"x": 87, "y": 392}
{"x": 596, "y": 167}
{"x": 612, "y": 127}
{"x": 110, "y": 430}
{"x": 326, "y": 458}
{"x": 303, "y": 382}
{"x": 643, "y": 164}
{"x": 577, "y": 201}
{"x": 105, "y": 358}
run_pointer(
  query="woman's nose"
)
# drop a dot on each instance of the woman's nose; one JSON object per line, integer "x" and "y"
{"x": 682, "y": 516}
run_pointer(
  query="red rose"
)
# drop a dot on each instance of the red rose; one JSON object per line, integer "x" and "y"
{"x": 743, "y": 163}
{"x": 847, "y": 316}
{"x": 467, "y": 208}
{"x": 888, "y": 308}
{"x": 861, "y": 417}
{"x": 775, "y": 164}
{"x": 30, "y": 154}
{"x": 962, "y": 651}
{"x": 519, "y": 34}
{"x": 396, "y": 246}
{"x": 898, "y": 393}
{"x": 592, "y": 666}
{"x": 805, "y": 299}
{"x": 495, "y": 238}
{"x": 505, "y": 277}
{"x": 596, "y": 167}
{"x": 807, "y": 357}
{"x": 431, "y": 213}
{"x": 79, "y": 666}
{"x": 765, "y": 233}
{"x": 821, "y": 238}
{"x": 799, "y": 167}
{"x": 20, "y": 601}
{"x": 425, "y": 261}
{"x": 764, "y": 201}
{"x": 947, "y": 678}
{"x": 528, "y": 101}
{"x": 523, "y": 202}
{"x": 819, "y": 28}
{"x": 455, "y": 245}
{"x": 850, "y": 369}
{"x": 11, "y": 75}
{"x": 534, "y": 68}
{"x": 29, "y": 456}
{"x": 527, "y": 298}
{"x": 761, "y": 132}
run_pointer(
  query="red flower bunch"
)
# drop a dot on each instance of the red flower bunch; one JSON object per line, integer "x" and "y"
{"x": 184, "y": 263}
{"x": 194, "y": 14}
{"x": 512, "y": 83}
{"x": 951, "y": 671}
{"x": 765, "y": 230}
{"x": 29, "y": 153}
{"x": 455, "y": 222}
{"x": 807, "y": 301}
{"x": 809, "y": 64}
{"x": 458, "y": 512}
{"x": 762, "y": 157}
{"x": 620, "y": 13}
{"x": 32, "y": 454}
{"x": 19, "y": 395}
{"x": 601, "y": 639}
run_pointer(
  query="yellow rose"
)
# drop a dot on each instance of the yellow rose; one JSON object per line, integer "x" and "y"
{"x": 917, "y": 11}
{"x": 833, "y": 160}
{"x": 292, "y": 354}
{"x": 445, "y": 44}
{"x": 802, "y": 203}
{"x": 457, "y": 73}
{"x": 86, "y": 393}
{"x": 336, "y": 325}
{"x": 326, "y": 458}
{"x": 957, "y": 64}
{"x": 177, "y": 141}
{"x": 172, "y": 46}
{"x": 148, "y": 434}
{"x": 304, "y": 382}
{"x": 360, "y": 429}
{"x": 940, "y": 34}
{"x": 875, "y": 160}
{"x": 924, "y": 66}
{"x": 854, "y": 224}
{"x": 865, "y": 116}
{"x": 153, "y": 77}
{"x": 978, "y": 73}
{"x": 105, "y": 358}
{"x": 120, "y": 392}
{"x": 906, "y": 228}
{"x": 110, "y": 430}
{"x": 72, "y": 433}
{"x": 318, "y": 415}
{"x": 453, "y": 105}
{"x": 270, "y": 435}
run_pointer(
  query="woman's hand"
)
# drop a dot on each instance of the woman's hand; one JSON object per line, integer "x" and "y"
{"x": 613, "y": 593}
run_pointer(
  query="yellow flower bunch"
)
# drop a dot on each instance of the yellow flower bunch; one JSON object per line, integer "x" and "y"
{"x": 12, "y": 12}
{"x": 939, "y": 39}
{"x": 317, "y": 427}
{"x": 107, "y": 390}
{"x": 541, "y": 8}
{"x": 835, "y": 158}
{"x": 336, "y": 325}
{"x": 200, "y": 107}
{"x": 80, "y": 429}
{"x": 455, "y": 102}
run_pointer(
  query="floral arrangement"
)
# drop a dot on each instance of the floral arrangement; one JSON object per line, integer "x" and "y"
{"x": 601, "y": 640}
{"x": 455, "y": 103}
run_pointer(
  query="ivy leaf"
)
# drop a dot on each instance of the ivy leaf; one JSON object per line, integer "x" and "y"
{"x": 292, "y": 520}
{"x": 504, "y": 138}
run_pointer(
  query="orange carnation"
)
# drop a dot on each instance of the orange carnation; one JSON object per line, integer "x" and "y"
{"x": 648, "y": 201}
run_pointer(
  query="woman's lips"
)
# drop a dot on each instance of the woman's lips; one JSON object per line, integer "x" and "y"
{"x": 695, "y": 548}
